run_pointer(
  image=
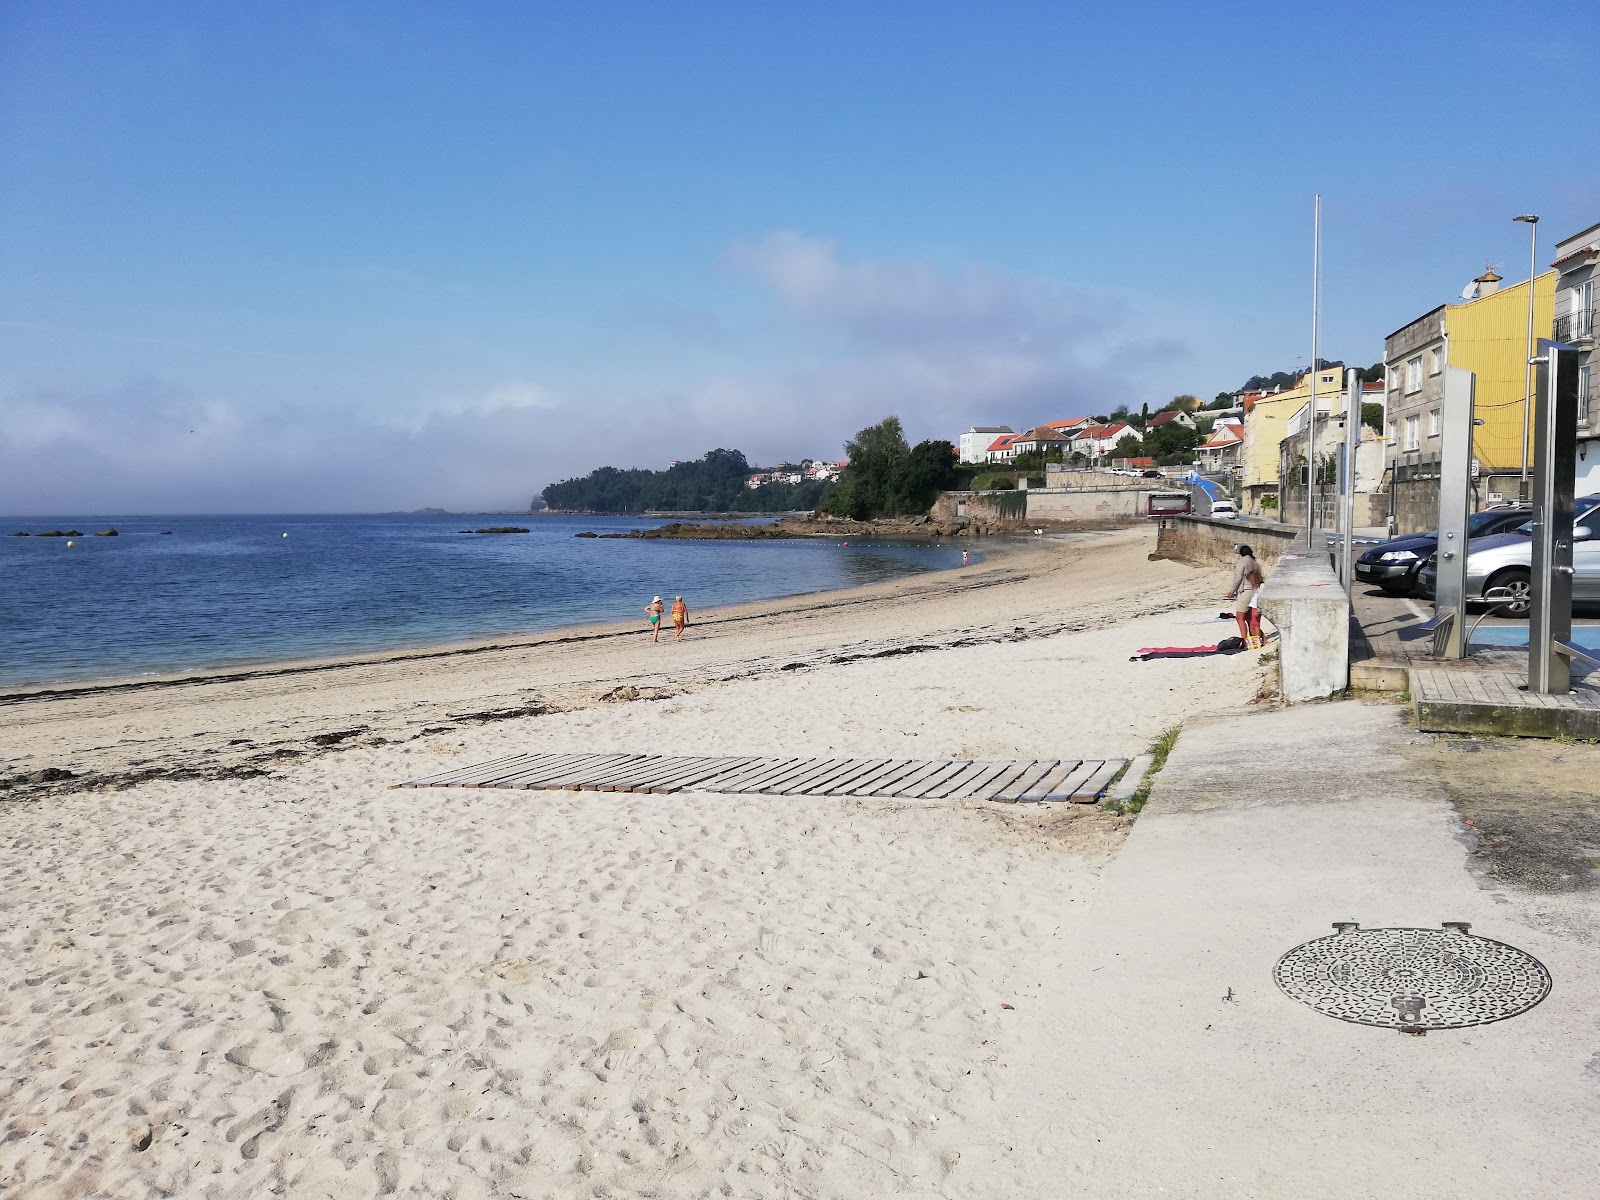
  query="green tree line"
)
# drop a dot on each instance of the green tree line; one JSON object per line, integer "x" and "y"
{"x": 713, "y": 483}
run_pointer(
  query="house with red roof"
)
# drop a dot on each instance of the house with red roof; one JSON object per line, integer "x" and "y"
{"x": 1002, "y": 449}
{"x": 1221, "y": 451}
{"x": 1098, "y": 440}
{"x": 1171, "y": 416}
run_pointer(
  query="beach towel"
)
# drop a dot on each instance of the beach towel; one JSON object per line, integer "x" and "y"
{"x": 1231, "y": 645}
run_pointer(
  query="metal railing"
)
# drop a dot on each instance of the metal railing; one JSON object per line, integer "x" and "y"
{"x": 1574, "y": 326}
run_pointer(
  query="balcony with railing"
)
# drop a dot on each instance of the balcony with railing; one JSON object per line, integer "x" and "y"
{"x": 1575, "y": 326}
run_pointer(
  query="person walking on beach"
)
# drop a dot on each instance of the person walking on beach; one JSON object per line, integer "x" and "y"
{"x": 680, "y": 618}
{"x": 653, "y": 610}
{"x": 1247, "y": 581}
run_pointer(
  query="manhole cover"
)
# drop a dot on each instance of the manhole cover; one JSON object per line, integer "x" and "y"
{"x": 1412, "y": 980}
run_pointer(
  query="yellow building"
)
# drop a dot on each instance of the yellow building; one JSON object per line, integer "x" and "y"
{"x": 1488, "y": 336}
{"x": 1267, "y": 422}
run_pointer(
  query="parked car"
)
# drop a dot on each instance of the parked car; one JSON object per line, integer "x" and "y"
{"x": 1224, "y": 508}
{"x": 1393, "y": 565}
{"x": 1506, "y": 560}
{"x": 1152, "y": 474}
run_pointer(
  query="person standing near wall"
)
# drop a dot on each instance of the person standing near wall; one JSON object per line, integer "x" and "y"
{"x": 1247, "y": 581}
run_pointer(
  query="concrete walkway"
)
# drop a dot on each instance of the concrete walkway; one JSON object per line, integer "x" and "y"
{"x": 1173, "y": 1066}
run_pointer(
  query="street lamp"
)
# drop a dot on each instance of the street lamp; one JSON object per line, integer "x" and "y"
{"x": 1531, "y": 220}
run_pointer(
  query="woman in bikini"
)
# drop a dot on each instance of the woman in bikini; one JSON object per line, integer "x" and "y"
{"x": 654, "y": 610}
{"x": 680, "y": 618}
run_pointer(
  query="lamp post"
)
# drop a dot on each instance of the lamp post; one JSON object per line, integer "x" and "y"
{"x": 1531, "y": 220}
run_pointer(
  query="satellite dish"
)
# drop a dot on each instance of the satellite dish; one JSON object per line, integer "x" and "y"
{"x": 1470, "y": 292}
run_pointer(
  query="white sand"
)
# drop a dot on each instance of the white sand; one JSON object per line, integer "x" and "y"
{"x": 309, "y": 984}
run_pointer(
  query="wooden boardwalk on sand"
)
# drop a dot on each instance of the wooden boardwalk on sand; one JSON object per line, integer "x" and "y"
{"x": 1077, "y": 780}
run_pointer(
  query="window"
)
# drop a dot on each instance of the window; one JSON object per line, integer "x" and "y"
{"x": 1414, "y": 429}
{"x": 1435, "y": 361}
{"x": 1394, "y": 434}
{"x": 1583, "y": 394}
{"x": 1433, "y": 422}
{"x": 1414, "y": 374}
{"x": 1394, "y": 377}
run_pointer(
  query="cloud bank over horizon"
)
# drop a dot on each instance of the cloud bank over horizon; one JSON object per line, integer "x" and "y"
{"x": 860, "y": 339}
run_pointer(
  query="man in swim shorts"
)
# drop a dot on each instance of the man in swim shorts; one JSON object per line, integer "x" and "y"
{"x": 653, "y": 610}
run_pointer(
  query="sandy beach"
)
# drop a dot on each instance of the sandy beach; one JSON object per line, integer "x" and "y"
{"x": 243, "y": 964}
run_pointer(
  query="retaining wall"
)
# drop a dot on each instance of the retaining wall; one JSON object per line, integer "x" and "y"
{"x": 1306, "y": 604}
{"x": 1207, "y": 542}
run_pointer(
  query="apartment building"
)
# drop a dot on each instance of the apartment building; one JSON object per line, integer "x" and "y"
{"x": 1487, "y": 335}
{"x": 1576, "y": 307}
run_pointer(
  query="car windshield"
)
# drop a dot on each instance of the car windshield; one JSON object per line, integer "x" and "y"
{"x": 1579, "y": 518}
{"x": 1478, "y": 522}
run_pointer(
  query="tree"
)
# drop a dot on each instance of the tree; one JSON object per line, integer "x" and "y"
{"x": 1121, "y": 413}
{"x": 1223, "y": 400}
{"x": 1172, "y": 441}
{"x": 1127, "y": 446}
{"x": 1144, "y": 415}
{"x": 1376, "y": 373}
{"x": 1372, "y": 415}
{"x": 1183, "y": 403}
{"x": 888, "y": 478}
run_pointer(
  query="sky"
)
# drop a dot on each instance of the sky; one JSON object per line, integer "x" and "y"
{"x": 298, "y": 257}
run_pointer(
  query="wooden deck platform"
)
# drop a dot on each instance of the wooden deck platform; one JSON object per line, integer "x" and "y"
{"x": 1079, "y": 780}
{"x": 1495, "y": 700}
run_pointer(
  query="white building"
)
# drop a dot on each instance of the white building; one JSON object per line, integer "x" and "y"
{"x": 976, "y": 441}
{"x": 1577, "y": 305}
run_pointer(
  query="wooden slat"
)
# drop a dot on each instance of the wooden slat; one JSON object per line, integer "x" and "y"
{"x": 776, "y": 769}
{"x": 559, "y": 766}
{"x": 733, "y": 776}
{"x": 675, "y": 769}
{"x": 443, "y": 777}
{"x": 461, "y": 776}
{"x": 878, "y": 785}
{"x": 488, "y": 778}
{"x": 969, "y": 774}
{"x": 806, "y": 769}
{"x": 1097, "y": 782}
{"x": 821, "y": 769}
{"x": 1082, "y": 773}
{"x": 842, "y": 769}
{"x": 980, "y": 784}
{"x": 693, "y": 779}
{"x": 841, "y": 781}
{"x": 738, "y": 781}
{"x": 873, "y": 769}
{"x": 937, "y": 782}
{"x": 635, "y": 779}
{"x": 911, "y": 785}
{"x": 1129, "y": 783}
{"x": 996, "y": 786}
{"x": 568, "y": 777}
{"x": 1036, "y": 771}
{"x": 594, "y": 779}
{"x": 1050, "y": 780}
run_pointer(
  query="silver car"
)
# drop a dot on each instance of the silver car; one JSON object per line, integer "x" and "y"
{"x": 1505, "y": 561}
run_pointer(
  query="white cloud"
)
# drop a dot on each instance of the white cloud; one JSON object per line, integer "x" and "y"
{"x": 860, "y": 340}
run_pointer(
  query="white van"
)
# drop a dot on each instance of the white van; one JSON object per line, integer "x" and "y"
{"x": 1224, "y": 508}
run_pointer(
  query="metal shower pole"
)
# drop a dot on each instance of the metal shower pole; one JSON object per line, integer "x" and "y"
{"x": 1352, "y": 442}
{"x": 1311, "y": 435}
{"x": 1531, "y": 220}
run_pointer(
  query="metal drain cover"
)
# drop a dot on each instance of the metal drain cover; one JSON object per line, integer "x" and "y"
{"x": 1412, "y": 980}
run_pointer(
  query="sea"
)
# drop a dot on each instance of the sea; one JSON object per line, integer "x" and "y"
{"x": 171, "y": 594}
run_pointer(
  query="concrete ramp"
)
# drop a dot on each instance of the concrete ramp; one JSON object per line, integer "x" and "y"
{"x": 1171, "y": 1064}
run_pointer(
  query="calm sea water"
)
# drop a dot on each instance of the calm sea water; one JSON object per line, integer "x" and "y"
{"x": 228, "y": 591}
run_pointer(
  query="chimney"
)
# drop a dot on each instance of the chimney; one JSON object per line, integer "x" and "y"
{"x": 1488, "y": 283}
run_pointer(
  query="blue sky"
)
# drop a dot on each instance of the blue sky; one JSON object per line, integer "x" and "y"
{"x": 288, "y": 257}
